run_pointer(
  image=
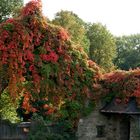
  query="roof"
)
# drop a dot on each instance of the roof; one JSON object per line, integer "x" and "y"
{"x": 122, "y": 108}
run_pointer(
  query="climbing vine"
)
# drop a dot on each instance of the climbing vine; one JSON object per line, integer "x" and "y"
{"x": 122, "y": 85}
{"x": 39, "y": 64}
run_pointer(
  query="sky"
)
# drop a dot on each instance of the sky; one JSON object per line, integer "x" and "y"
{"x": 121, "y": 17}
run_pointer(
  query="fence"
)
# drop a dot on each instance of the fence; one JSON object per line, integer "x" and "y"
{"x": 9, "y": 131}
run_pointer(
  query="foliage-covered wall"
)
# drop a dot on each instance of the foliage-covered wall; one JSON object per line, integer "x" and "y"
{"x": 40, "y": 65}
{"x": 123, "y": 85}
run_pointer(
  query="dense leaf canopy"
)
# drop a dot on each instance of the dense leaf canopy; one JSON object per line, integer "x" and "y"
{"x": 75, "y": 26}
{"x": 9, "y": 8}
{"x": 39, "y": 63}
{"x": 102, "y": 46}
{"x": 128, "y": 50}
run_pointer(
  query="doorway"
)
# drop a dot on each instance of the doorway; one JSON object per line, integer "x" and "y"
{"x": 125, "y": 128}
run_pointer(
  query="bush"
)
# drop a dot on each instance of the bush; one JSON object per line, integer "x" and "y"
{"x": 44, "y": 130}
{"x": 7, "y": 108}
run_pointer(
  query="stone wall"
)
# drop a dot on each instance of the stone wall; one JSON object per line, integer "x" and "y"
{"x": 87, "y": 128}
{"x": 135, "y": 128}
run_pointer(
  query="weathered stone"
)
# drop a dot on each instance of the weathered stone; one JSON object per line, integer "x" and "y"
{"x": 116, "y": 126}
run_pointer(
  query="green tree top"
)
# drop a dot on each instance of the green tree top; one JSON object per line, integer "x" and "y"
{"x": 75, "y": 26}
{"x": 102, "y": 45}
{"x": 9, "y": 8}
{"x": 128, "y": 49}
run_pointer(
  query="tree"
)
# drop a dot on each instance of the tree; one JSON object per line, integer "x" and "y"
{"x": 128, "y": 52}
{"x": 39, "y": 63}
{"x": 9, "y": 8}
{"x": 102, "y": 46}
{"x": 75, "y": 26}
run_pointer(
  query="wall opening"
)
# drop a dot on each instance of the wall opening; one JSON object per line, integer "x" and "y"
{"x": 125, "y": 129}
{"x": 100, "y": 130}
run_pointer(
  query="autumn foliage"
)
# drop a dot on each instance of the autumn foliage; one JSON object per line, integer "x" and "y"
{"x": 122, "y": 85}
{"x": 39, "y": 63}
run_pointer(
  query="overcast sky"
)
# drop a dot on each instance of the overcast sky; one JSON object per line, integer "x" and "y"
{"x": 122, "y": 17}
